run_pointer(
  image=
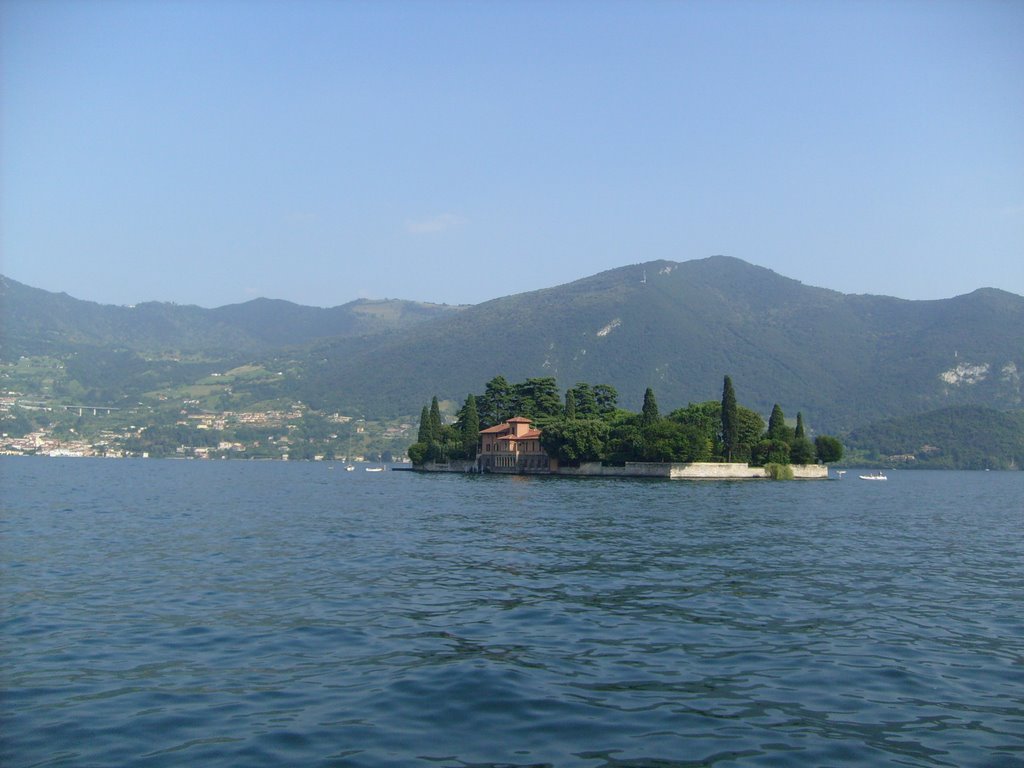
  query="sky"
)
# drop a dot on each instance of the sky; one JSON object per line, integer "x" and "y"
{"x": 210, "y": 151}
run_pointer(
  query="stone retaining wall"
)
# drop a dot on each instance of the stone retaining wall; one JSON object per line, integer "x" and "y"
{"x": 675, "y": 471}
{"x": 810, "y": 471}
{"x": 692, "y": 471}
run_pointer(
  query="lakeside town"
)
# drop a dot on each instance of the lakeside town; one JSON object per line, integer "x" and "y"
{"x": 39, "y": 427}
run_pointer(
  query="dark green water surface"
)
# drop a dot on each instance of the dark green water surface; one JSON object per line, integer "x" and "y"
{"x": 161, "y": 613}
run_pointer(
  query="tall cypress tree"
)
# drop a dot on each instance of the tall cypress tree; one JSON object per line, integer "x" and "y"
{"x": 435, "y": 421}
{"x": 777, "y": 425}
{"x": 799, "y": 425}
{"x": 470, "y": 426}
{"x": 423, "y": 436}
{"x": 649, "y": 413}
{"x": 730, "y": 420}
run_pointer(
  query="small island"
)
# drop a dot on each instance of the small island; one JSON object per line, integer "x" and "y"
{"x": 528, "y": 428}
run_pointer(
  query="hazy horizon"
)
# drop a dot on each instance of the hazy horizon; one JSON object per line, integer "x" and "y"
{"x": 481, "y": 301}
{"x": 319, "y": 152}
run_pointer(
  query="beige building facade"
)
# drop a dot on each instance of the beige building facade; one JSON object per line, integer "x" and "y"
{"x": 513, "y": 447}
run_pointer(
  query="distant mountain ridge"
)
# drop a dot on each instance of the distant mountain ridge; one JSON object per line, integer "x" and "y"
{"x": 35, "y": 319}
{"x": 842, "y": 360}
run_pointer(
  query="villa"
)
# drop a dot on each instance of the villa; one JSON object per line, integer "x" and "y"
{"x": 513, "y": 446}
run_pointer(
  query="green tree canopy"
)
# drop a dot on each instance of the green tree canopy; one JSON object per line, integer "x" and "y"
{"x": 706, "y": 416}
{"x": 585, "y": 400}
{"x": 625, "y": 438}
{"x": 495, "y": 405}
{"x": 770, "y": 451}
{"x": 667, "y": 440}
{"x": 828, "y": 449}
{"x": 750, "y": 427}
{"x": 576, "y": 440}
{"x": 801, "y": 451}
{"x": 537, "y": 398}
{"x": 606, "y": 397}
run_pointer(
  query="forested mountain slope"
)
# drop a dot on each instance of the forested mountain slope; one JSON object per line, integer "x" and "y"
{"x": 841, "y": 359}
{"x": 960, "y": 437}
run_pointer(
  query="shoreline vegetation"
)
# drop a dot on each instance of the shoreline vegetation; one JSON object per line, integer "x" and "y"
{"x": 586, "y": 434}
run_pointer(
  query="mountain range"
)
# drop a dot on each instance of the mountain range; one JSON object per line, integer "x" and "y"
{"x": 38, "y": 321}
{"x": 842, "y": 360}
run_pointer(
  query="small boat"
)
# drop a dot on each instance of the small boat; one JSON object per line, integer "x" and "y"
{"x": 840, "y": 472}
{"x": 375, "y": 469}
{"x": 349, "y": 468}
{"x": 874, "y": 476}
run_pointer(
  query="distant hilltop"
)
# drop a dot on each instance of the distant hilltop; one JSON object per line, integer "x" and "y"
{"x": 37, "y": 319}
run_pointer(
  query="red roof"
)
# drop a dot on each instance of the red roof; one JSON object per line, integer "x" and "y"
{"x": 504, "y": 426}
{"x": 495, "y": 429}
{"x": 533, "y": 434}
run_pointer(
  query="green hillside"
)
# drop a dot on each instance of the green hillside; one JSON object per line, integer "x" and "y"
{"x": 40, "y": 322}
{"x": 963, "y": 437}
{"x": 841, "y": 360}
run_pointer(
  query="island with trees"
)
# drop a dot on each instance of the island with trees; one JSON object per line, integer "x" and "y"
{"x": 531, "y": 428}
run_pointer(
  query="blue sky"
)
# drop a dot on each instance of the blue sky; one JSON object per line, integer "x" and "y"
{"x": 210, "y": 152}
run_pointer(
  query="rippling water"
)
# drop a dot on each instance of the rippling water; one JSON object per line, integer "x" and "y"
{"x": 238, "y": 613}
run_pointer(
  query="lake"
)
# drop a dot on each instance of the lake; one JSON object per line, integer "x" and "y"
{"x": 156, "y": 613}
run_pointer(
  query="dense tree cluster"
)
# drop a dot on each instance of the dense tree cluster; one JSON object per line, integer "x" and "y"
{"x": 537, "y": 399}
{"x": 587, "y": 425}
